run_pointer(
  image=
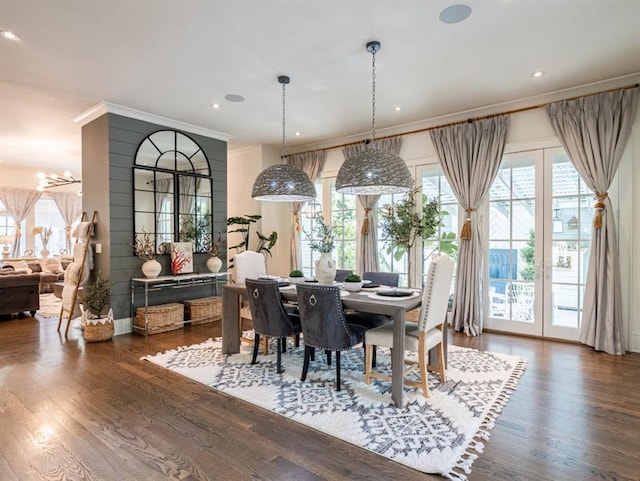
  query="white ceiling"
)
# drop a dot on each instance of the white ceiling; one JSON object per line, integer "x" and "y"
{"x": 175, "y": 58}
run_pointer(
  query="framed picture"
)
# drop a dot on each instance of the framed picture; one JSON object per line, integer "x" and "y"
{"x": 181, "y": 258}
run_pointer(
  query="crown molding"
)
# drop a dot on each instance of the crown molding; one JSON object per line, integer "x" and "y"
{"x": 107, "y": 107}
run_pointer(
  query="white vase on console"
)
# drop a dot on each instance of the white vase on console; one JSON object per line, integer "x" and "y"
{"x": 44, "y": 252}
{"x": 214, "y": 264}
{"x": 325, "y": 268}
{"x": 151, "y": 268}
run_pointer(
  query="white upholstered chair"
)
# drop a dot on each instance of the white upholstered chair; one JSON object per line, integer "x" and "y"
{"x": 424, "y": 335}
{"x": 249, "y": 265}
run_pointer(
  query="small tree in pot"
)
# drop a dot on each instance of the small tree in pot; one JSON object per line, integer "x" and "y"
{"x": 405, "y": 221}
{"x": 96, "y": 299}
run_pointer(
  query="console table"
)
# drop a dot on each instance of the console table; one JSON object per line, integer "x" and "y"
{"x": 147, "y": 285}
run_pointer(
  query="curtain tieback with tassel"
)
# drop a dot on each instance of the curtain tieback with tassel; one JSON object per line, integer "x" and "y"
{"x": 365, "y": 222}
{"x": 599, "y": 207}
{"x": 296, "y": 220}
{"x": 465, "y": 233}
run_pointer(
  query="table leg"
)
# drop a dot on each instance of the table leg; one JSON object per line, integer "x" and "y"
{"x": 397, "y": 358}
{"x": 230, "y": 321}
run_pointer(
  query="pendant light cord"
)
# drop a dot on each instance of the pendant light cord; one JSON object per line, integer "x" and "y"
{"x": 283, "y": 123}
{"x": 373, "y": 95}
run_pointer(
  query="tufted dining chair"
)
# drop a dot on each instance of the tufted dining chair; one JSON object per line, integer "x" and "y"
{"x": 424, "y": 335}
{"x": 325, "y": 325}
{"x": 341, "y": 274}
{"x": 270, "y": 318}
{"x": 390, "y": 279}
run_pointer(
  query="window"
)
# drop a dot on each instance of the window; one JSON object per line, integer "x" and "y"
{"x": 7, "y": 227}
{"x": 343, "y": 223}
{"x": 308, "y": 214}
{"x": 47, "y": 215}
{"x": 436, "y": 185}
{"x": 388, "y": 259}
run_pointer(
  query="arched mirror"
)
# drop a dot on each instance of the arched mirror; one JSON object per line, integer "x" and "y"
{"x": 172, "y": 190}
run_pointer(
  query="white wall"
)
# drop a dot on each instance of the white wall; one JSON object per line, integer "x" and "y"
{"x": 528, "y": 130}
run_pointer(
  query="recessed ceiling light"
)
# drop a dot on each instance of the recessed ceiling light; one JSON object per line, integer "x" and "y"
{"x": 297, "y": 134}
{"x": 455, "y": 13}
{"x": 398, "y": 108}
{"x": 234, "y": 98}
{"x": 9, "y": 35}
{"x": 215, "y": 106}
{"x": 537, "y": 74}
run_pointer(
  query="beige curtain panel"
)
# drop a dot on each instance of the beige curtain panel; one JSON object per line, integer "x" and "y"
{"x": 312, "y": 164}
{"x": 470, "y": 155}
{"x": 19, "y": 203}
{"x": 70, "y": 207}
{"x": 594, "y": 131}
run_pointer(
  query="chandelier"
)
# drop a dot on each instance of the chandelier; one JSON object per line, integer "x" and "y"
{"x": 53, "y": 180}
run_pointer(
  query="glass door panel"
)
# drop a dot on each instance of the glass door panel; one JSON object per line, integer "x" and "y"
{"x": 539, "y": 240}
{"x": 567, "y": 252}
{"x": 513, "y": 252}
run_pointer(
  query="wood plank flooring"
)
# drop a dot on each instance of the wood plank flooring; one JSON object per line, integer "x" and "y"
{"x": 76, "y": 411}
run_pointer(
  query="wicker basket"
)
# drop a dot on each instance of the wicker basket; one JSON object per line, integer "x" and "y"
{"x": 97, "y": 331}
{"x": 203, "y": 310}
{"x": 161, "y": 318}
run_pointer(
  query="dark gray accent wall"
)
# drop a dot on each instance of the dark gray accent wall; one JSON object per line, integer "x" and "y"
{"x": 109, "y": 145}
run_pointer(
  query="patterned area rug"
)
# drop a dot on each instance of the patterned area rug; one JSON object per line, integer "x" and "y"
{"x": 442, "y": 434}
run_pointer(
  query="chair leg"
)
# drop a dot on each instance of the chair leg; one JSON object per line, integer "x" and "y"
{"x": 337, "y": 370}
{"x": 284, "y": 344}
{"x": 367, "y": 363}
{"x": 280, "y": 343}
{"x": 441, "y": 369}
{"x": 308, "y": 352}
{"x": 422, "y": 364}
{"x": 256, "y": 344}
{"x": 328, "y": 353}
{"x": 297, "y": 340}
{"x": 374, "y": 357}
{"x": 265, "y": 345}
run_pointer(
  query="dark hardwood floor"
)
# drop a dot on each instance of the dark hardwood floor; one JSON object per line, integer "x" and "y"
{"x": 76, "y": 411}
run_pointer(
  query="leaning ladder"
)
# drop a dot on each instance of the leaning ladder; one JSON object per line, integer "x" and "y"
{"x": 75, "y": 300}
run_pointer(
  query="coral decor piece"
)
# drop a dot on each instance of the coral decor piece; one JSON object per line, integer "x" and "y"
{"x": 182, "y": 257}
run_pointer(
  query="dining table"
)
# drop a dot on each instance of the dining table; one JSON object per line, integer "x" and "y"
{"x": 396, "y": 308}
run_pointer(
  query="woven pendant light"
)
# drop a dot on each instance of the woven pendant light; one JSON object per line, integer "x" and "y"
{"x": 374, "y": 171}
{"x": 283, "y": 182}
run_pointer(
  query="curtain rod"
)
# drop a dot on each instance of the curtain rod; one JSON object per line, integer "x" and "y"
{"x": 466, "y": 121}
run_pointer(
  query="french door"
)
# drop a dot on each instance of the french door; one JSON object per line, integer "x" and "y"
{"x": 538, "y": 245}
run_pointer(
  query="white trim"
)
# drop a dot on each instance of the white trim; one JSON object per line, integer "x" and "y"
{"x": 107, "y": 107}
{"x": 122, "y": 326}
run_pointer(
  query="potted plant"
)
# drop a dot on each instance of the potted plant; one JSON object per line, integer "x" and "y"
{"x": 406, "y": 220}
{"x": 323, "y": 241}
{"x": 98, "y": 323}
{"x": 296, "y": 276}
{"x": 242, "y": 225}
{"x": 353, "y": 283}
{"x": 144, "y": 248}
{"x": 212, "y": 246}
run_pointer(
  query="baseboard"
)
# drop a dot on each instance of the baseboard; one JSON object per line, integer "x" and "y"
{"x": 634, "y": 342}
{"x": 122, "y": 326}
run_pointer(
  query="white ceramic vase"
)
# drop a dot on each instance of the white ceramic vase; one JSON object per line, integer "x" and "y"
{"x": 44, "y": 252}
{"x": 151, "y": 268}
{"x": 214, "y": 264}
{"x": 325, "y": 269}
